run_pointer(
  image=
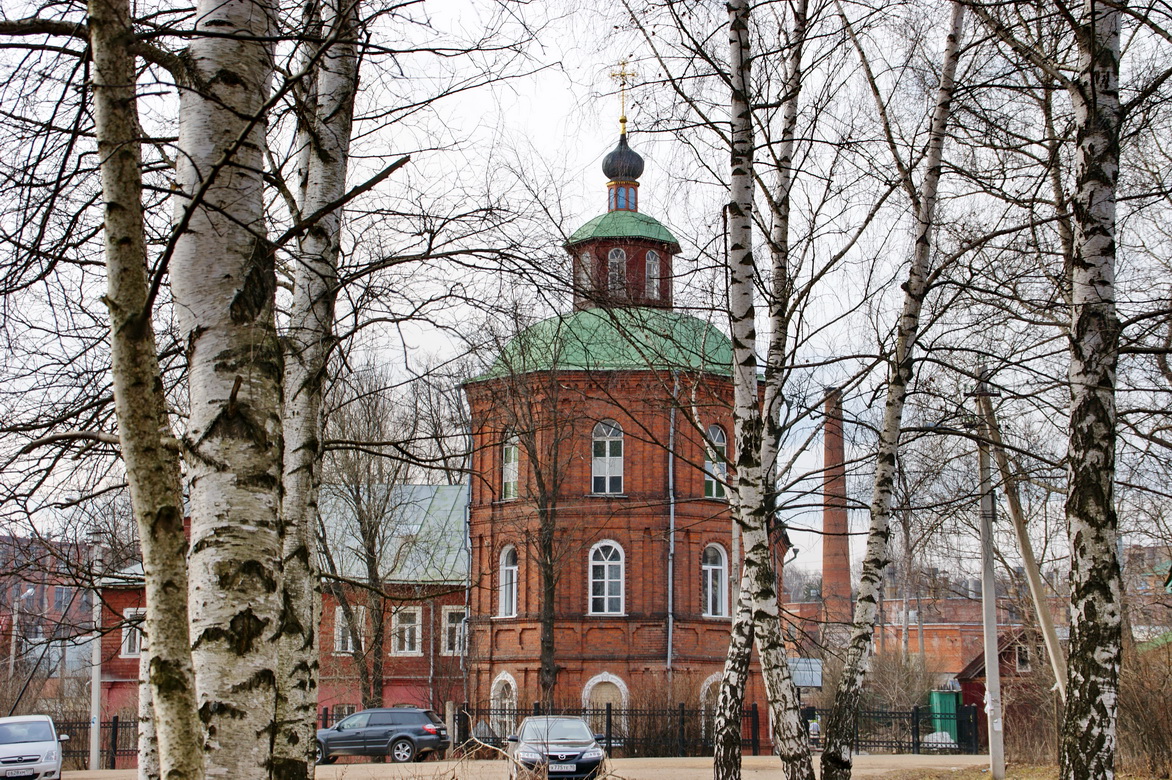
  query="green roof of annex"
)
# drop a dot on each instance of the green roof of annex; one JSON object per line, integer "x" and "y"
{"x": 616, "y": 339}
{"x": 624, "y": 224}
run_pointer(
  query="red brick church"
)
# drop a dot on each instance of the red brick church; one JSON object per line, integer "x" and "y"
{"x": 599, "y": 441}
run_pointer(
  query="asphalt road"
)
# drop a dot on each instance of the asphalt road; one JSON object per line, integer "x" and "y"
{"x": 753, "y": 768}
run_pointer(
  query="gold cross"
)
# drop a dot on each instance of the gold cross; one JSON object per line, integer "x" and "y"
{"x": 622, "y": 75}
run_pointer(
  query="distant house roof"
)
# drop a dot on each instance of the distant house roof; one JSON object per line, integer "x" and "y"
{"x": 421, "y": 534}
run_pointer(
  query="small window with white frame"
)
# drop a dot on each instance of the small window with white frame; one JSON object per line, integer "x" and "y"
{"x": 132, "y": 633}
{"x": 455, "y": 622}
{"x": 652, "y": 275}
{"x": 343, "y": 633}
{"x": 510, "y": 468}
{"x": 507, "y": 604}
{"x": 714, "y": 581}
{"x": 716, "y": 463}
{"x": 1023, "y": 659}
{"x": 407, "y": 631}
{"x": 616, "y": 271}
{"x": 607, "y": 579}
{"x": 607, "y": 458}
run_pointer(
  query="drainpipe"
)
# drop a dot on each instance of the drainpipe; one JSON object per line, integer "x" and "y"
{"x": 671, "y": 518}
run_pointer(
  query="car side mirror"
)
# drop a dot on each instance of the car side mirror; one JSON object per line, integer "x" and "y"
{"x": 62, "y": 737}
{"x": 512, "y": 738}
{"x": 600, "y": 738}
{"x": 339, "y": 727}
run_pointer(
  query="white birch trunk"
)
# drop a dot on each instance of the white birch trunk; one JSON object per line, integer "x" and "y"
{"x": 148, "y": 740}
{"x": 836, "y": 755}
{"x": 310, "y": 336}
{"x": 149, "y": 451}
{"x": 223, "y": 280}
{"x": 1089, "y": 738}
{"x": 757, "y": 606}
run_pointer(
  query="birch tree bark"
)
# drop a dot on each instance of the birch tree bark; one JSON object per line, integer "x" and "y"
{"x": 1088, "y": 739}
{"x": 839, "y": 730}
{"x": 223, "y": 281}
{"x": 757, "y": 606}
{"x": 149, "y": 450}
{"x": 326, "y": 146}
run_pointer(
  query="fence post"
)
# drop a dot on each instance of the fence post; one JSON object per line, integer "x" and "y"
{"x": 464, "y": 721}
{"x": 609, "y": 710}
{"x": 325, "y": 717}
{"x": 536, "y": 708}
{"x": 113, "y": 742}
{"x": 916, "y": 730}
{"x": 682, "y": 747}
{"x": 755, "y": 739}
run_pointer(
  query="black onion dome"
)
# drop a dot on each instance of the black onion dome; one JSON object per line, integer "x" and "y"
{"x": 622, "y": 163}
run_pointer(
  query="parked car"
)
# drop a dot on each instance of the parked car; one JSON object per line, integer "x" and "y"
{"x": 403, "y": 733}
{"x": 562, "y": 746}
{"x": 30, "y": 748}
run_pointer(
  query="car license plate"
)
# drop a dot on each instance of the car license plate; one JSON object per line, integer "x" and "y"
{"x": 562, "y": 767}
{"x": 19, "y": 773}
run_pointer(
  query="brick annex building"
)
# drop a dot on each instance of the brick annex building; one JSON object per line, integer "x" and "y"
{"x": 610, "y": 423}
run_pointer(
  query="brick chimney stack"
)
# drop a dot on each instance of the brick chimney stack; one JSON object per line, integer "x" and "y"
{"x": 837, "y": 608}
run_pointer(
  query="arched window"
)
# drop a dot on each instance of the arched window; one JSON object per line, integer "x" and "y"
{"x": 606, "y": 579}
{"x": 508, "y": 583}
{"x": 510, "y": 460}
{"x": 714, "y": 581}
{"x": 503, "y": 699}
{"x": 716, "y": 463}
{"x": 652, "y": 276}
{"x": 607, "y": 462}
{"x": 585, "y": 273}
{"x": 616, "y": 271}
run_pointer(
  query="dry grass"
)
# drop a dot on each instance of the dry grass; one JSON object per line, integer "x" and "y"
{"x": 1011, "y": 773}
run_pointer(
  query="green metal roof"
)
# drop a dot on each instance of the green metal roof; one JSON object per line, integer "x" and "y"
{"x": 618, "y": 339}
{"x": 624, "y": 224}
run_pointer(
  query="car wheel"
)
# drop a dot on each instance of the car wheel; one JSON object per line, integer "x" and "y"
{"x": 402, "y": 751}
{"x": 320, "y": 756}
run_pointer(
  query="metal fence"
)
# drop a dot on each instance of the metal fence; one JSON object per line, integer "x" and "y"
{"x": 118, "y": 739}
{"x": 683, "y": 731}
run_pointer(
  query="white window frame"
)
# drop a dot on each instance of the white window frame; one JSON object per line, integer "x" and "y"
{"x": 507, "y": 585}
{"x": 716, "y": 463}
{"x": 455, "y": 635}
{"x": 1024, "y": 666}
{"x": 399, "y": 631}
{"x": 510, "y": 468}
{"x": 132, "y": 633}
{"x": 609, "y": 466}
{"x": 714, "y": 582}
{"x": 616, "y": 271}
{"x": 343, "y": 639}
{"x": 653, "y": 273}
{"x": 608, "y": 581}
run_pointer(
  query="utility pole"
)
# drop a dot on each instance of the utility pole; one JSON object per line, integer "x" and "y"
{"x": 989, "y": 588}
{"x": 95, "y": 540}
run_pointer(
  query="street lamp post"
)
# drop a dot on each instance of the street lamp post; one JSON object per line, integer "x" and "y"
{"x": 95, "y": 540}
{"x": 989, "y": 591}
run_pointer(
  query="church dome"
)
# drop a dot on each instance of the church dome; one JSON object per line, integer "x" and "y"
{"x": 622, "y": 163}
{"x": 619, "y": 339}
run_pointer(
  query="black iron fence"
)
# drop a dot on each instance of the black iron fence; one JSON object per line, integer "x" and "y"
{"x": 683, "y": 731}
{"x": 118, "y": 738}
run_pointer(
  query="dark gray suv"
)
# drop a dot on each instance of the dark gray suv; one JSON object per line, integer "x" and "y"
{"x": 403, "y": 733}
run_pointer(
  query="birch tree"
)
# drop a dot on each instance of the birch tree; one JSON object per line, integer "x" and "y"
{"x": 223, "y": 280}
{"x": 839, "y": 730}
{"x": 149, "y": 450}
{"x": 324, "y": 139}
{"x": 757, "y": 606}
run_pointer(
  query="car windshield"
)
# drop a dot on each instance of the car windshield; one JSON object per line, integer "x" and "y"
{"x": 25, "y": 731}
{"x": 555, "y": 731}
